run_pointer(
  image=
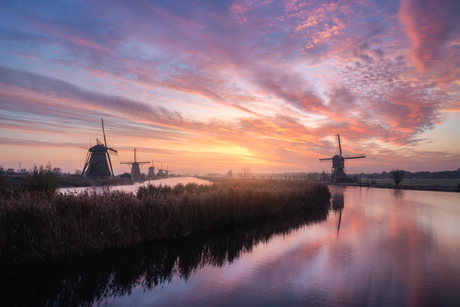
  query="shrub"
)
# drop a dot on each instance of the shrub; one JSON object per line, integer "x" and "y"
{"x": 43, "y": 179}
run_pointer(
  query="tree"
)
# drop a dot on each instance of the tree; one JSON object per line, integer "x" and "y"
{"x": 324, "y": 176}
{"x": 57, "y": 170}
{"x": 398, "y": 175}
{"x": 245, "y": 172}
{"x": 356, "y": 179}
{"x": 2, "y": 180}
{"x": 43, "y": 179}
{"x": 230, "y": 174}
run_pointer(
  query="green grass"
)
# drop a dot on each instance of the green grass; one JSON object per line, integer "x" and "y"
{"x": 39, "y": 226}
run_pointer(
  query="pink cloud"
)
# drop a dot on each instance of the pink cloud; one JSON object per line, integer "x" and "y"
{"x": 430, "y": 25}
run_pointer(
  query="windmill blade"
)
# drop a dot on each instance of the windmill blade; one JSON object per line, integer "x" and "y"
{"x": 143, "y": 162}
{"x": 110, "y": 163}
{"x": 99, "y": 142}
{"x": 340, "y": 146}
{"x": 84, "y": 169}
{"x": 88, "y": 155}
{"x": 103, "y": 132}
{"x": 355, "y": 157}
{"x": 126, "y": 162}
{"x": 114, "y": 152}
{"x": 325, "y": 159}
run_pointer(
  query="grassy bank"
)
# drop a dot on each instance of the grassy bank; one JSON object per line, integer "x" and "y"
{"x": 40, "y": 226}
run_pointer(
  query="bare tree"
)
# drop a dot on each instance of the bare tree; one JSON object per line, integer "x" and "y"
{"x": 245, "y": 172}
{"x": 398, "y": 175}
{"x": 230, "y": 174}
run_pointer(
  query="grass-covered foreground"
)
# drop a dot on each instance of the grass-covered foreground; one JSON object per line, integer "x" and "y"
{"x": 40, "y": 226}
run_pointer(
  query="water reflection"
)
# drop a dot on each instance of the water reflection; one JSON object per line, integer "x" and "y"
{"x": 134, "y": 187}
{"x": 338, "y": 203}
{"x": 89, "y": 280}
{"x": 398, "y": 193}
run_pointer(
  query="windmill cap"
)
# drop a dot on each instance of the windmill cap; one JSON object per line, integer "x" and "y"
{"x": 98, "y": 148}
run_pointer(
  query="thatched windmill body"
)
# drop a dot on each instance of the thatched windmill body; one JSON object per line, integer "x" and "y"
{"x": 98, "y": 163}
{"x": 168, "y": 171}
{"x": 338, "y": 164}
{"x": 135, "y": 169}
{"x": 151, "y": 170}
{"x": 161, "y": 172}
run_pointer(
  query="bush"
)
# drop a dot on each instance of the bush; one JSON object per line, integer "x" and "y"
{"x": 43, "y": 179}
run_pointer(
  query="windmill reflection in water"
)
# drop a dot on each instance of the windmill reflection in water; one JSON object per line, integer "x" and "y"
{"x": 337, "y": 205}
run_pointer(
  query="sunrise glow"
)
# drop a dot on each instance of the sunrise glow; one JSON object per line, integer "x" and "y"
{"x": 209, "y": 86}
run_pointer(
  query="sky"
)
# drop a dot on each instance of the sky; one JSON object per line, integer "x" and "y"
{"x": 211, "y": 86}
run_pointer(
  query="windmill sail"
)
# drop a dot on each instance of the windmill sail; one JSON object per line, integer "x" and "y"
{"x": 135, "y": 169}
{"x": 98, "y": 162}
{"x": 338, "y": 165}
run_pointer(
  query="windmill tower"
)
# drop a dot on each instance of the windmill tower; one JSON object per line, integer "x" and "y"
{"x": 168, "y": 171}
{"x": 151, "y": 170}
{"x": 97, "y": 161}
{"x": 161, "y": 172}
{"x": 135, "y": 170}
{"x": 338, "y": 164}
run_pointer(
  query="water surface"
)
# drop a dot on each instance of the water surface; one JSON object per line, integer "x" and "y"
{"x": 134, "y": 187}
{"x": 372, "y": 247}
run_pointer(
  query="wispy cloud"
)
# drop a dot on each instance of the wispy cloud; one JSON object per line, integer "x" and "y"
{"x": 277, "y": 78}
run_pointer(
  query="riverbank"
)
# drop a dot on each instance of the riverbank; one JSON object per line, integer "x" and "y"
{"x": 39, "y": 226}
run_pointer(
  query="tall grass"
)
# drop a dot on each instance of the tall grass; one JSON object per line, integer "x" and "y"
{"x": 89, "y": 281}
{"x": 40, "y": 226}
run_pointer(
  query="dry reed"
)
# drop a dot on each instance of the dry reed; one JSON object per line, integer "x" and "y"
{"x": 39, "y": 226}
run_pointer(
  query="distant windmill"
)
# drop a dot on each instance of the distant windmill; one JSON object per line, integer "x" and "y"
{"x": 135, "y": 170}
{"x": 161, "y": 172}
{"x": 338, "y": 164}
{"x": 98, "y": 159}
{"x": 168, "y": 171}
{"x": 151, "y": 170}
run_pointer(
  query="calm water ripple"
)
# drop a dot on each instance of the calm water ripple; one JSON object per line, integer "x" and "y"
{"x": 374, "y": 247}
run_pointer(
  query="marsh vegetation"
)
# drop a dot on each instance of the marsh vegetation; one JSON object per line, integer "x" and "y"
{"x": 38, "y": 225}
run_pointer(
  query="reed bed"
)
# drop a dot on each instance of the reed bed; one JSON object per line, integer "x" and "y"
{"x": 40, "y": 226}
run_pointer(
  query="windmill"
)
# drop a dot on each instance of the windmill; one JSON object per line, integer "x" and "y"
{"x": 161, "y": 172}
{"x": 135, "y": 170}
{"x": 98, "y": 159}
{"x": 151, "y": 170}
{"x": 167, "y": 171}
{"x": 338, "y": 164}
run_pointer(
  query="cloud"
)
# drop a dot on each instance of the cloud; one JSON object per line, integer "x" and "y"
{"x": 430, "y": 25}
{"x": 275, "y": 78}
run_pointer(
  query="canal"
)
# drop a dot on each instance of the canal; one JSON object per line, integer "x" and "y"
{"x": 370, "y": 247}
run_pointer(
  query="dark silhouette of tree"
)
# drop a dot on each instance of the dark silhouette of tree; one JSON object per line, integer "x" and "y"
{"x": 230, "y": 174}
{"x": 398, "y": 175}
